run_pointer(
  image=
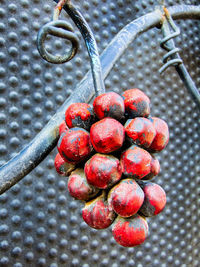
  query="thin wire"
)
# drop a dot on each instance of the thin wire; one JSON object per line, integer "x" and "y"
{"x": 175, "y": 60}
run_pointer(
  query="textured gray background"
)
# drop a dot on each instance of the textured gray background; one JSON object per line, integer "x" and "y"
{"x": 40, "y": 224}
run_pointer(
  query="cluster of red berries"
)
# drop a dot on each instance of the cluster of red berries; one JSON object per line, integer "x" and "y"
{"x": 113, "y": 184}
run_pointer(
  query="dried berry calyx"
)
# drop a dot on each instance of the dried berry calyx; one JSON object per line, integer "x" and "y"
{"x": 108, "y": 156}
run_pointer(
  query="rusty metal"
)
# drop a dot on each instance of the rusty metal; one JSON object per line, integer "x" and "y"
{"x": 14, "y": 170}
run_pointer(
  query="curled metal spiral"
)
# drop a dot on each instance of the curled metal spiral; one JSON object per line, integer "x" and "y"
{"x": 168, "y": 59}
{"x": 58, "y": 28}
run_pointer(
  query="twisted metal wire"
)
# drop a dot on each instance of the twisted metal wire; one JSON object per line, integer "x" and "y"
{"x": 172, "y": 51}
{"x": 24, "y": 162}
{"x": 172, "y": 58}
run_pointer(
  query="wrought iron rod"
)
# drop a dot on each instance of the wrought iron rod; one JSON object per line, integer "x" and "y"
{"x": 91, "y": 45}
{"x": 189, "y": 84}
{"x": 22, "y": 164}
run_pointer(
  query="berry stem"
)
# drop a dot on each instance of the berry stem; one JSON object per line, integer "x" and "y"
{"x": 89, "y": 39}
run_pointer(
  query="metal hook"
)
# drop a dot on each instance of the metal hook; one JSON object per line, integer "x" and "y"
{"x": 59, "y": 28}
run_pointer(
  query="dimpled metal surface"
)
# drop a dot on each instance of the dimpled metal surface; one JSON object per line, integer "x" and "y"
{"x": 40, "y": 224}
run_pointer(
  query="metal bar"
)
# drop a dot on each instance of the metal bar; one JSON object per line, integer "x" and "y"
{"x": 15, "y": 169}
{"x": 189, "y": 84}
{"x": 91, "y": 45}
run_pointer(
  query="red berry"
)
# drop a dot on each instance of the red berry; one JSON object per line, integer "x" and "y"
{"x": 136, "y": 103}
{"x": 109, "y": 105}
{"x": 78, "y": 186}
{"x": 162, "y": 135}
{"x": 155, "y": 169}
{"x": 63, "y": 127}
{"x": 155, "y": 199}
{"x": 126, "y": 198}
{"x": 140, "y": 131}
{"x": 74, "y": 145}
{"x": 136, "y": 162}
{"x": 79, "y": 115}
{"x": 130, "y": 232}
{"x": 107, "y": 135}
{"x": 97, "y": 214}
{"x": 103, "y": 171}
{"x": 63, "y": 167}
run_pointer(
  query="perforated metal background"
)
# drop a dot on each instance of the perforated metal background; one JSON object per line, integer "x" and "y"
{"x": 40, "y": 224}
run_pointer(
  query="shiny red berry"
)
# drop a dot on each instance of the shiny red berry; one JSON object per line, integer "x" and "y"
{"x": 74, "y": 144}
{"x": 140, "y": 131}
{"x": 103, "y": 171}
{"x": 78, "y": 186}
{"x": 126, "y": 198}
{"x": 107, "y": 135}
{"x": 135, "y": 162}
{"x": 155, "y": 169}
{"x": 162, "y": 135}
{"x": 63, "y": 127}
{"x": 79, "y": 115}
{"x": 155, "y": 199}
{"x": 63, "y": 167}
{"x": 97, "y": 214}
{"x": 130, "y": 232}
{"x": 109, "y": 105}
{"x": 136, "y": 103}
